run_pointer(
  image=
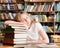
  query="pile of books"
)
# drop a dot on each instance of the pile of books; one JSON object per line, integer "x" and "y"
{"x": 15, "y": 34}
{"x": 20, "y": 33}
{"x": 8, "y": 34}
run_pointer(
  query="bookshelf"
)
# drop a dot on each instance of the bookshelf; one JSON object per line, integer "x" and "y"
{"x": 46, "y": 10}
{"x": 50, "y": 13}
{"x": 8, "y": 10}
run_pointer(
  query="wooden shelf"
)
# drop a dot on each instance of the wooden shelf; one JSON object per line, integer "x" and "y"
{"x": 14, "y": 11}
{"x": 50, "y": 12}
{"x": 57, "y": 32}
{"x": 57, "y": 0}
{"x": 42, "y": 11}
{"x": 47, "y": 22}
{"x": 57, "y": 11}
{"x": 50, "y": 33}
{"x": 57, "y": 22}
{"x": 39, "y": 1}
{"x": 7, "y": 3}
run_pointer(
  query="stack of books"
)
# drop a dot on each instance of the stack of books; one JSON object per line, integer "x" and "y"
{"x": 8, "y": 34}
{"x": 15, "y": 33}
{"x": 20, "y": 33}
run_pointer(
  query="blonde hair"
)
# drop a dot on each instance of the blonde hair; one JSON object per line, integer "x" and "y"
{"x": 17, "y": 17}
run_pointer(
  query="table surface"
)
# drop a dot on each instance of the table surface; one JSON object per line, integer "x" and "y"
{"x": 11, "y": 46}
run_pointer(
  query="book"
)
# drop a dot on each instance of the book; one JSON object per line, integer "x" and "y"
{"x": 58, "y": 28}
{"x": 13, "y": 1}
{"x": 58, "y": 6}
{"x": 2, "y": 16}
{"x": 20, "y": 6}
{"x": 10, "y": 14}
{"x": 44, "y": 18}
{"x": 18, "y": 40}
{"x": 6, "y": 1}
{"x": 0, "y": 7}
{"x": 9, "y": 1}
{"x": 4, "y": 7}
{"x": 2, "y": 1}
{"x": 12, "y": 7}
{"x": 58, "y": 17}
{"x": 46, "y": 29}
{"x": 21, "y": 36}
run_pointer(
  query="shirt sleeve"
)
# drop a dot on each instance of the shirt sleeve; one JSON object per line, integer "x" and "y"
{"x": 39, "y": 26}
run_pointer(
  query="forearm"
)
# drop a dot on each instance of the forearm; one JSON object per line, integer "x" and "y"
{"x": 38, "y": 41}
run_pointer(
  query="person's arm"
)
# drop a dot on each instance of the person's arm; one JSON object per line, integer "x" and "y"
{"x": 44, "y": 40}
{"x": 43, "y": 35}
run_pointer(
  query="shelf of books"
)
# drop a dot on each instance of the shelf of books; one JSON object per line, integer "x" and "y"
{"x": 8, "y": 10}
{"x": 57, "y": 21}
{"x": 39, "y": 0}
{"x": 48, "y": 12}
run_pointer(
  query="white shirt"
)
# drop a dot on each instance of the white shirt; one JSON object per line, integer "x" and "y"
{"x": 33, "y": 32}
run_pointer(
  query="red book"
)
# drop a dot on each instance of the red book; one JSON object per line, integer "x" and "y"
{"x": 7, "y": 42}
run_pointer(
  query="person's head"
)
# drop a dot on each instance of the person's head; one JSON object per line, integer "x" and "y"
{"x": 24, "y": 17}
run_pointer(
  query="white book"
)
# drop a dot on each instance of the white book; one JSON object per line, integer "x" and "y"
{"x": 19, "y": 32}
{"x": 11, "y": 16}
{"x": 28, "y": 7}
{"x": 14, "y": 14}
{"x": 31, "y": 8}
{"x": 20, "y": 36}
{"x": 19, "y": 27}
{"x": 19, "y": 40}
{"x": 20, "y": 6}
{"x": 8, "y": 6}
{"x": 16, "y": 24}
{"x": 52, "y": 6}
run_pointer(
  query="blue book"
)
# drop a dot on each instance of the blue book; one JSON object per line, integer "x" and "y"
{"x": 59, "y": 29}
{"x": 4, "y": 7}
{"x": 11, "y": 7}
{"x": 9, "y": 1}
{"x": 1, "y": 25}
{"x": 58, "y": 7}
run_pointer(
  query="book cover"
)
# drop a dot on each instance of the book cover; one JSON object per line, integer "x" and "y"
{"x": 19, "y": 40}
{"x": 58, "y": 6}
{"x": 4, "y": 7}
{"x": 13, "y": 1}
{"x": 10, "y": 14}
{"x": 22, "y": 36}
{"x": 9, "y": 1}
{"x": 2, "y": 1}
